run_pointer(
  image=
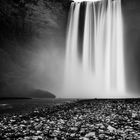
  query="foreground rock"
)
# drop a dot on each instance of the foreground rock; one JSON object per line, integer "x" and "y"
{"x": 85, "y": 120}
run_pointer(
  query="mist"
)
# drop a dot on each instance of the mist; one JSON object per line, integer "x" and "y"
{"x": 32, "y": 46}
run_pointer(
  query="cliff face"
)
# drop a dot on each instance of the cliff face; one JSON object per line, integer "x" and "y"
{"x": 29, "y": 31}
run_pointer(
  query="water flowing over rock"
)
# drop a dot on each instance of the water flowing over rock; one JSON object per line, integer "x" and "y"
{"x": 95, "y": 48}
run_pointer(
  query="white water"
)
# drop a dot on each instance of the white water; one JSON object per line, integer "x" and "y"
{"x": 99, "y": 67}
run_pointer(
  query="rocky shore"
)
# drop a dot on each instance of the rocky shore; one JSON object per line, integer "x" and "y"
{"x": 83, "y": 119}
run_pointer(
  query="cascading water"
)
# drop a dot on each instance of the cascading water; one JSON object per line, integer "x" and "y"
{"x": 95, "y": 49}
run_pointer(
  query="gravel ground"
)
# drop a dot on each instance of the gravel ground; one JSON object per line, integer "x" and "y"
{"x": 83, "y": 119}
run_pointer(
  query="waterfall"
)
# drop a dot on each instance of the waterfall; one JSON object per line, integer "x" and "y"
{"x": 95, "y": 48}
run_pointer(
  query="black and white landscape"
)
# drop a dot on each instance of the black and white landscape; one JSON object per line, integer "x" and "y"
{"x": 69, "y": 70}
